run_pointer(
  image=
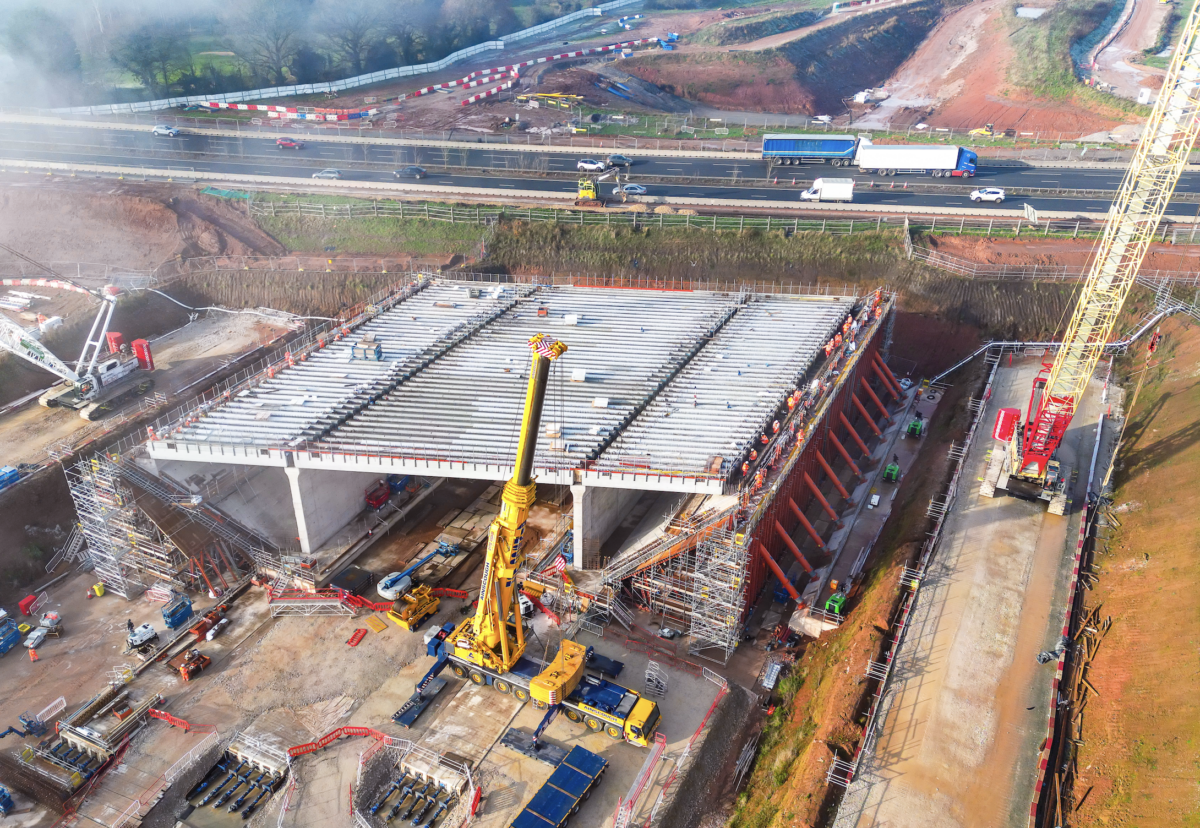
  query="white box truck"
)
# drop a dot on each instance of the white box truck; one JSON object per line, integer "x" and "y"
{"x": 935, "y": 160}
{"x": 830, "y": 189}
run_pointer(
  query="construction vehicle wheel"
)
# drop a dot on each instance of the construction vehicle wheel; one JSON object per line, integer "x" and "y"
{"x": 501, "y": 686}
{"x": 593, "y": 724}
{"x": 459, "y": 670}
{"x": 521, "y": 694}
{"x": 574, "y": 716}
{"x": 614, "y": 732}
{"x": 538, "y": 704}
{"x": 477, "y": 678}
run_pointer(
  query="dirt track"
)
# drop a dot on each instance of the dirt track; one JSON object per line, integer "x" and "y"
{"x": 1114, "y": 65}
{"x": 958, "y": 78}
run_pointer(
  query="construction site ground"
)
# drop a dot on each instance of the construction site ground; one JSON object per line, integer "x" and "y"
{"x": 965, "y": 717}
{"x": 290, "y": 680}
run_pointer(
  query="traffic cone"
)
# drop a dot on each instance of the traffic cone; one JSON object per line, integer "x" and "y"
{"x": 33, "y": 656}
{"x": 892, "y": 186}
{"x": 906, "y": 185}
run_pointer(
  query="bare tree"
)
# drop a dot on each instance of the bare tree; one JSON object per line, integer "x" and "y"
{"x": 350, "y": 27}
{"x": 266, "y": 34}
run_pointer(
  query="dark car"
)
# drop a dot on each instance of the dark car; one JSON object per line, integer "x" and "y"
{"x": 289, "y": 143}
{"x": 620, "y": 161}
{"x": 410, "y": 172}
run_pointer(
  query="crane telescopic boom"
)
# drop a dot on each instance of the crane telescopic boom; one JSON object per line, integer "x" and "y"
{"x": 494, "y": 638}
{"x": 1133, "y": 219}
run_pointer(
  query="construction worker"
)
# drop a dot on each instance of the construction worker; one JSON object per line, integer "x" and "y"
{"x": 129, "y": 625}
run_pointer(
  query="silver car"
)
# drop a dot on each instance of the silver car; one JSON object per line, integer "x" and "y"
{"x": 164, "y": 131}
{"x": 629, "y": 189}
{"x": 328, "y": 174}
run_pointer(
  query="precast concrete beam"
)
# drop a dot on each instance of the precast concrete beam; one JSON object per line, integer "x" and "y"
{"x": 791, "y": 545}
{"x": 812, "y": 532}
{"x": 774, "y": 567}
{"x": 862, "y": 409}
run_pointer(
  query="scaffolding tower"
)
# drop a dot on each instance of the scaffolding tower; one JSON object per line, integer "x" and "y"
{"x": 719, "y": 596}
{"x": 127, "y": 550}
{"x": 700, "y": 590}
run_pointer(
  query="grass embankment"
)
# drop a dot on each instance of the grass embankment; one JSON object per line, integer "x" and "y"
{"x": 382, "y": 236}
{"x": 1046, "y": 68}
{"x": 824, "y": 701}
{"x": 1141, "y": 736}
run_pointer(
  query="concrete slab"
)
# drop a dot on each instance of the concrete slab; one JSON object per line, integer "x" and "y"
{"x": 966, "y": 712}
{"x": 478, "y": 718}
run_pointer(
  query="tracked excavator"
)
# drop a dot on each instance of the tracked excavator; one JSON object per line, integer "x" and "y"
{"x": 1027, "y": 464}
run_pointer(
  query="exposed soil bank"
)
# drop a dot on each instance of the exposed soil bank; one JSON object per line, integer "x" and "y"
{"x": 810, "y": 75}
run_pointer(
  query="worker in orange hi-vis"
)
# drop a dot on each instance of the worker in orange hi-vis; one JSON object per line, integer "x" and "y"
{"x": 33, "y": 656}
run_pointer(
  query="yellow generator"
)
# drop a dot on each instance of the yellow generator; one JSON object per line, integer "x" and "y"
{"x": 413, "y": 607}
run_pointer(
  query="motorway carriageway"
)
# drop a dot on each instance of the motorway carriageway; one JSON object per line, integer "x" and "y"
{"x": 550, "y": 172}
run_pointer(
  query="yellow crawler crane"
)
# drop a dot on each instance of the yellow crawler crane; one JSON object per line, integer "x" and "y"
{"x": 1027, "y": 465}
{"x": 493, "y": 638}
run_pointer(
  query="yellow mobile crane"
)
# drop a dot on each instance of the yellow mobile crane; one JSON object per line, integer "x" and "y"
{"x": 1027, "y": 467}
{"x": 488, "y": 647}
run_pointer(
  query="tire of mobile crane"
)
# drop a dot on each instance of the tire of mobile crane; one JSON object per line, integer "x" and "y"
{"x": 539, "y": 705}
{"x": 574, "y": 715}
{"x": 459, "y": 670}
{"x": 593, "y": 724}
{"x": 477, "y": 678}
{"x": 501, "y": 686}
{"x": 615, "y": 733}
{"x": 521, "y": 694}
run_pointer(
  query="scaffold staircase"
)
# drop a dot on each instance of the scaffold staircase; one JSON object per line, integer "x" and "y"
{"x": 680, "y": 536}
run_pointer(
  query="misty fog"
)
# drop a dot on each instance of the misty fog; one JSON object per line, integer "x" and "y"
{"x": 76, "y": 52}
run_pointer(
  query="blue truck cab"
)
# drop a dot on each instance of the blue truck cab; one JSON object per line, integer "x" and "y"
{"x": 8, "y": 476}
{"x": 967, "y": 162}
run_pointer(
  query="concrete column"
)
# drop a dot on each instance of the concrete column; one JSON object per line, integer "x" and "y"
{"x": 596, "y": 512}
{"x": 324, "y": 502}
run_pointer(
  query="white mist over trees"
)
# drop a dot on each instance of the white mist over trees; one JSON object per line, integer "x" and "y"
{"x": 70, "y": 52}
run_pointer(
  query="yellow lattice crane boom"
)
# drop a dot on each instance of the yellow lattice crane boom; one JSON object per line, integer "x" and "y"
{"x": 1133, "y": 219}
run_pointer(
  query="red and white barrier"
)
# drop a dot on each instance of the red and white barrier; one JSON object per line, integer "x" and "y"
{"x": 306, "y": 113}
